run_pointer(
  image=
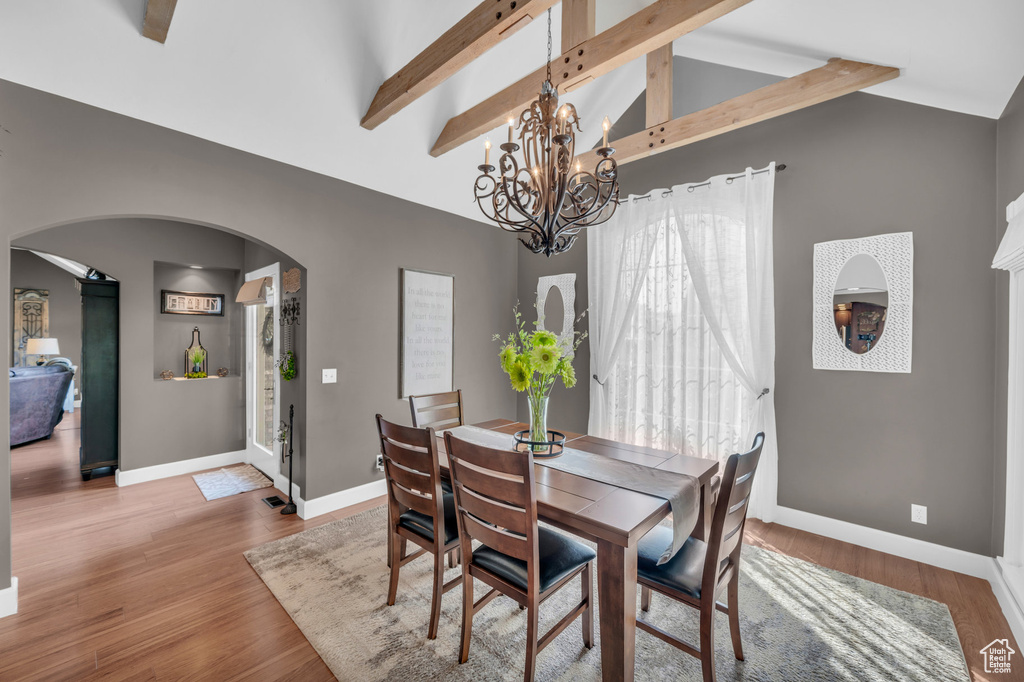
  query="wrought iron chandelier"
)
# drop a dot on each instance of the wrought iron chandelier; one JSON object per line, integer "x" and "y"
{"x": 547, "y": 198}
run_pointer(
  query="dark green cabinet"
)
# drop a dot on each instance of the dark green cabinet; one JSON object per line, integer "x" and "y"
{"x": 99, "y": 375}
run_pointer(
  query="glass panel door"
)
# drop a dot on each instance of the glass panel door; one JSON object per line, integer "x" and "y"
{"x": 264, "y": 390}
{"x": 262, "y": 379}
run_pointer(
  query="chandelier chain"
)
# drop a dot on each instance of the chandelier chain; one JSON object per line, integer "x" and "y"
{"x": 546, "y": 198}
{"x": 549, "y": 45}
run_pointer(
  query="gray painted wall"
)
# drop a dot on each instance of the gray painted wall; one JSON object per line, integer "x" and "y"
{"x": 1009, "y": 186}
{"x": 352, "y": 242}
{"x": 858, "y": 446}
{"x": 861, "y": 447}
{"x": 568, "y": 409}
{"x": 29, "y": 271}
{"x": 164, "y": 421}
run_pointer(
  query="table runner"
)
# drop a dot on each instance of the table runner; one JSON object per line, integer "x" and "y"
{"x": 681, "y": 491}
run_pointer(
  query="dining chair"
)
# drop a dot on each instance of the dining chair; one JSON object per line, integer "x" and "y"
{"x": 699, "y": 571}
{"x": 496, "y": 504}
{"x": 418, "y": 510}
{"x": 438, "y": 410}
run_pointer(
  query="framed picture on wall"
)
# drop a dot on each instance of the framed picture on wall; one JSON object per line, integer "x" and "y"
{"x": 427, "y": 361}
{"x": 191, "y": 303}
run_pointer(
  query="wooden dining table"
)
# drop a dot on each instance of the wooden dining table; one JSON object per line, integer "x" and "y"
{"x": 615, "y": 519}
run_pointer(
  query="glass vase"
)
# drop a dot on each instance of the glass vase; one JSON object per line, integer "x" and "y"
{"x": 539, "y": 421}
{"x": 195, "y": 358}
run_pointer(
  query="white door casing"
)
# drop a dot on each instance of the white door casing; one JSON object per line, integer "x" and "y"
{"x": 261, "y": 445}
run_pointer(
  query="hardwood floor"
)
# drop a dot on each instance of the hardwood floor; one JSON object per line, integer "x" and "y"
{"x": 142, "y": 582}
{"x": 974, "y": 608}
{"x": 148, "y": 581}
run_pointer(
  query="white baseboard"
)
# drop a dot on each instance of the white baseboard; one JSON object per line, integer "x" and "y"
{"x": 909, "y": 548}
{"x": 9, "y": 599}
{"x": 309, "y": 509}
{"x": 281, "y": 486}
{"x": 187, "y": 466}
{"x": 949, "y": 558}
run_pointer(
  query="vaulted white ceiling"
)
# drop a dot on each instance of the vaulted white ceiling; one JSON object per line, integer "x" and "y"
{"x": 290, "y": 80}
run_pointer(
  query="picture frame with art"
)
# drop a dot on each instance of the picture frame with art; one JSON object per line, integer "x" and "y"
{"x": 427, "y": 333}
{"x": 191, "y": 303}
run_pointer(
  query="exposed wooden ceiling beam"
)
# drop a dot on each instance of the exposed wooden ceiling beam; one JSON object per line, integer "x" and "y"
{"x": 630, "y": 39}
{"x": 659, "y": 85}
{"x": 158, "y": 19}
{"x": 579, "y": 22}
{"x": 480, "y": 30}
{"x": 837, "y": 78}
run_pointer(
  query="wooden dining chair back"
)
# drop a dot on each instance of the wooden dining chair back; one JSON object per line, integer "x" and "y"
{"x": 496, "y": 505}
{"x": 439, "y": 411}
{"x": 699, "y": 571}
{"x": 418, "y": 509}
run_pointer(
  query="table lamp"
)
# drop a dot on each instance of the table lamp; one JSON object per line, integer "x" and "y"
{"x": 42, "y": 348}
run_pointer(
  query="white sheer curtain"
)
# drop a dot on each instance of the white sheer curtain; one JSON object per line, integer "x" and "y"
{"x": 683, "y": 323}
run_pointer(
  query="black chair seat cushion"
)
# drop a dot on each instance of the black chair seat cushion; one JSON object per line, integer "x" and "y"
{"x": 559, "y": 556}
{"x": 423, "y": 525}
{"x": 446, "y": 486}
{"x": 682, "y": 572}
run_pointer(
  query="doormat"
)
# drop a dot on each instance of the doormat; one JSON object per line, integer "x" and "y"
{"x": 231, "y": 481}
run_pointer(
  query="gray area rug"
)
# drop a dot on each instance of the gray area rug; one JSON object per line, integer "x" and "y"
{"x": 799, "y": 621}
{"x": 231, "y": 481}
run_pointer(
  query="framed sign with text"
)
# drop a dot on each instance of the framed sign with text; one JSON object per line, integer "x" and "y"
{"x": 191, "y": 303}
{"x": 427, "y": 362}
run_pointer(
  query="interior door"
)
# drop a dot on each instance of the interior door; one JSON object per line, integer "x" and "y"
{"x": 263, "y": 390}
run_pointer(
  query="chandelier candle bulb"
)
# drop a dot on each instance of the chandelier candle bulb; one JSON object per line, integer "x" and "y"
{"x": 511, "y": 126}
{"x": 606, "y": 124}
{"x": 487, "y": 153}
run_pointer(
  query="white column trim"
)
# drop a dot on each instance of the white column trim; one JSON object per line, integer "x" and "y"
{"x": 1013, "y": 534}
{"x": 1010, "y": 257}
{"x": 9, "y": 599}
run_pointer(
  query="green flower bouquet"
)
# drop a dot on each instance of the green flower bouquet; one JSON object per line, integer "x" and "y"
{"x": 533, "y": 362}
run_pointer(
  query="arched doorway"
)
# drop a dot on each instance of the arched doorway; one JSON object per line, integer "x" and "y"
{"x": 167, "y": 427}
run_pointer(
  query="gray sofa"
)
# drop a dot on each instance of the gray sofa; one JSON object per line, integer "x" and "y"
{"x": 37, "y": 401}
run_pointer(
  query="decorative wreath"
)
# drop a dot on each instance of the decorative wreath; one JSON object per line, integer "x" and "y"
{"x": 268, "y": 330}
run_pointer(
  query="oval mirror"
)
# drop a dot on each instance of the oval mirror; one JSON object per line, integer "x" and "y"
{"x": 859, "y": 303}
{"x": 554, "y": 311}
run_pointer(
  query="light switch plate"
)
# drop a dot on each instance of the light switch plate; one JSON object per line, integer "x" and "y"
{"x": 330, "y": 376}
{"x": 919, "y": 513}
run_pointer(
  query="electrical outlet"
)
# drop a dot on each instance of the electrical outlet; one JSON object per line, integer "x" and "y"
{"x": 919, "y": 513}
{"x": 330, "y": 376}
{"x": 380, "y": 462}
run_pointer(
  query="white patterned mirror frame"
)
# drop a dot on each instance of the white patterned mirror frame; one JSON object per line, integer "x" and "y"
{"x": 566, "y": 285}
{"x": 892, "y": 353}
